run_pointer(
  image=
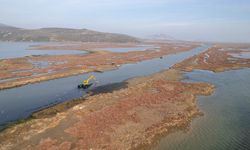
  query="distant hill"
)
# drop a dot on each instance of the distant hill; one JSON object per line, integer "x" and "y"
{"x": 9, "y": 33}
{"x": 2, "y": 25}
{"x": 161, "y": 37}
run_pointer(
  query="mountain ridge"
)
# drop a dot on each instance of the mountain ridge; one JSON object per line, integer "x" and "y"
{"x": 59, "y": 34}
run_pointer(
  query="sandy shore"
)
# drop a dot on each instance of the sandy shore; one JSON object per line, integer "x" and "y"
{"x": 21, "y": 71}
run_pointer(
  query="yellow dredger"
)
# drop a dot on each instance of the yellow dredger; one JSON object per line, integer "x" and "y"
{"x": 85, "y": 83}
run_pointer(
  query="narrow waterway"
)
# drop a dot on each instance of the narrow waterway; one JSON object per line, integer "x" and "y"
{"x": 19, "y": 103}
{"x": 226, "y": 121}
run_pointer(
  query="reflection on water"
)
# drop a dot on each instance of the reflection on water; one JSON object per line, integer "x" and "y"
{"x": 226, "y": 123}
{"x": 21, "y": 49}
{"x": 22, "y": 101}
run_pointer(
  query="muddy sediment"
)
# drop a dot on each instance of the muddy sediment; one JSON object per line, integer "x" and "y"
{"x": 52, "y": 110}
{"x": 130, "y": 115}
{"x": 21, "y": 71}
{"x": 219, "y": 58}
{"x": 128, "y": 118}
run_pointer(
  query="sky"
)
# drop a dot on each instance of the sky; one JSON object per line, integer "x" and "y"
{"x": 200, "y": 20}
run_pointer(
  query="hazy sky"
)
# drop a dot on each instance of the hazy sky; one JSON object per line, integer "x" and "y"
{"x": 212, "y": 20}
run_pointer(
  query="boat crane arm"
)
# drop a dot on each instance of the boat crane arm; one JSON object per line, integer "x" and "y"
{"x": 86, "y": 82}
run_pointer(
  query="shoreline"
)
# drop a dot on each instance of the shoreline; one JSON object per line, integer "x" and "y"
{"x": 52, "y": 109}
{"x": 157, "y": 130}
{"x": 75, "y": 65}
{"x": 134, "y": 116}
{"x": 216, "y": 59}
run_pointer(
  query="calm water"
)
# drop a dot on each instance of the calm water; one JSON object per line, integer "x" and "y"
{"x": 20, "y": 102}
{"x": 245, "y": 55}
{"x": 226, "y": 123}
{"x": 21, "y": 49}
{"x": 130, "y": 49}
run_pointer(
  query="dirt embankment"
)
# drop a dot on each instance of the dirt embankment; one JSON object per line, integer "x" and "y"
{"x": 128, "y": 118}
{"x": 217, "y": 59}
{"x": 26, "y": 70}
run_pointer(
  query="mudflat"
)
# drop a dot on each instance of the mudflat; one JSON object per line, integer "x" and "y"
{"x": 21, "y": 71}
{"x": 129, "y": 118}
{"x": 218, "y": 58}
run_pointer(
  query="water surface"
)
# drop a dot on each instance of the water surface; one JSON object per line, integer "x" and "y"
{"x": 20, "y": 102}
{"x": 22, "y": 49}
{"x": 130, "y": 49}
{"x": 245, "y": 55}
{"x": 226, "y": 123}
